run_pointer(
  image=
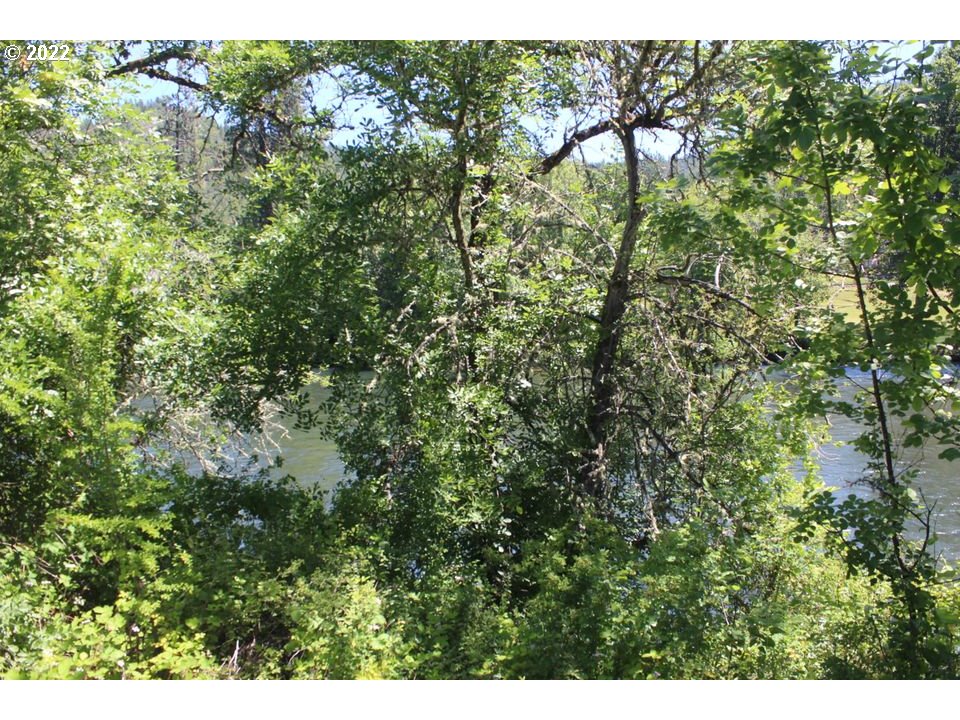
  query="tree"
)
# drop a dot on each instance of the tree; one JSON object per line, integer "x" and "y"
{"x": 849, "y": 143}
{"x": 545, "y": 372}
{"x": 943, "y": 80}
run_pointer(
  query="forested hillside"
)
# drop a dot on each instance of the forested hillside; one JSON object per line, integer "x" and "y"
{"x": 576, "y": 307}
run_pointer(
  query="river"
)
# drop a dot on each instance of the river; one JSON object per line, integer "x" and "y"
{"x": 315, "y": 461}
{"x": 841, "y": 465}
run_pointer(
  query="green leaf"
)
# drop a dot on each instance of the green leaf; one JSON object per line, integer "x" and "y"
{"x": 949, "y": 454}
{"x": 805, "y": 138}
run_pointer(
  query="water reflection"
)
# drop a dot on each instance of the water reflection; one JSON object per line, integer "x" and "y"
{"x": 306, "y": 454}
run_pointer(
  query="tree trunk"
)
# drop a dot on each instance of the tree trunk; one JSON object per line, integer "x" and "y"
{"x": 601, "y": 404}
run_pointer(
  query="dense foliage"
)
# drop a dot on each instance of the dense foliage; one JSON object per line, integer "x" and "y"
{"x": 550, "y": 378}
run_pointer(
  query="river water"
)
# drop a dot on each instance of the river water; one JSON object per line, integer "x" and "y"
{"x": 841, "y": 466}
{"x": 314, "y": 461}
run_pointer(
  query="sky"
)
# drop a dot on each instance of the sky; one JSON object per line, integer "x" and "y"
{"x": 598, "y": 149}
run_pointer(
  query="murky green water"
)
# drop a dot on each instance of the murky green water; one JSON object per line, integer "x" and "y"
{"x": 307, "y": 456}
{"x": 314, "y": 461}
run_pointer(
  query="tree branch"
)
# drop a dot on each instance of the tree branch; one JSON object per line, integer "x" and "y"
{"x": 551, "y": 161}
{"x": 175, "y": 53}
{"x": 159, "y": 74}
